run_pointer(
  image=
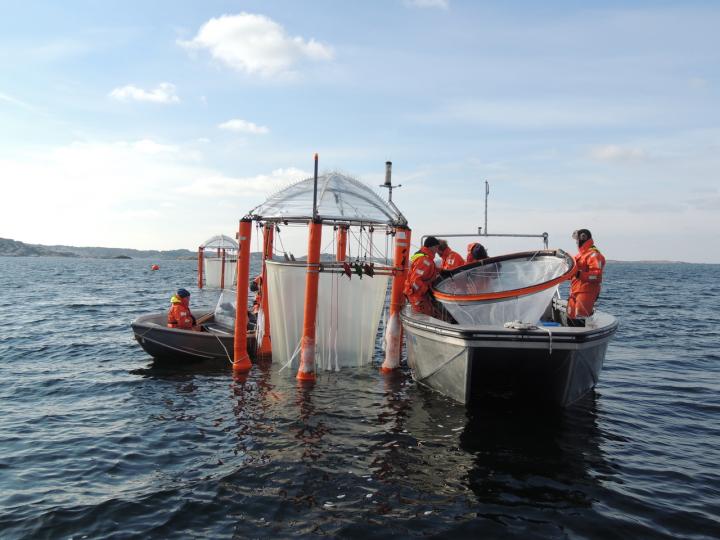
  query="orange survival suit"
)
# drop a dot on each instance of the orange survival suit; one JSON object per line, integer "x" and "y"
{"x": 450, "y": 259}
{"x": 585, "y": 286}
{"x": 179, "y": 315}
{"x": 256, "y": 287}
{"x": 479, "y": 250}
{"x": 420, "y": 277}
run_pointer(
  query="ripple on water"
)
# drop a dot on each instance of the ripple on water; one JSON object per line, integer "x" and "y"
{"x": 100, "y": 442}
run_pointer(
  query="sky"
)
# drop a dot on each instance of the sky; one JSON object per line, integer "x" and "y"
{"x": 157, "y": 125}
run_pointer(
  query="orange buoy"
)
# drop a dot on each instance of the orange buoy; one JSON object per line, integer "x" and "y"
{"x": 155, "y": 267}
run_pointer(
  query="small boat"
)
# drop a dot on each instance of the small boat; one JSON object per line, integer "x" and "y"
{"x": 213, "y": 343}
{"x": 502, "y": 331}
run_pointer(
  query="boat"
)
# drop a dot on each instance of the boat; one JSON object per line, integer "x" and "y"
{"x": 213, "y": 343}
{"x": 501, "y": 330}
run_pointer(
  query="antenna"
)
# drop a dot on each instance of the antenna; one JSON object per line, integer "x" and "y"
{"x": 487, "y": 192}
{"x": 388, "y": 180}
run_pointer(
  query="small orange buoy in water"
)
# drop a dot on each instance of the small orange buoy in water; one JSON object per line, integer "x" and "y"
{"x": 155, "y": 267}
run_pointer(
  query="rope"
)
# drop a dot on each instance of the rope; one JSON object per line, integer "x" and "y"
{"x": 520, "y": 325}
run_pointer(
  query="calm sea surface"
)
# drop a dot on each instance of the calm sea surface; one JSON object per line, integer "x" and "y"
{"x": 98, "y": 442}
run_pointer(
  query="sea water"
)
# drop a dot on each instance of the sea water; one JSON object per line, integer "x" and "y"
{"x": 96, "y": 441}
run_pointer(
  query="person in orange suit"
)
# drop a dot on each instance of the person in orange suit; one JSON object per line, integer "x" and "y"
{"x": 180, "y": 315}
{"x": 476, "y": 252}
{"x": 450, "y": 259}
{"x": 421, "y": 276}
{"x": 256, "y": 287}
{"x": 585, "y": 285}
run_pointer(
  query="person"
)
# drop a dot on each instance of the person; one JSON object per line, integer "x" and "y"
{"x": 476, "y": 252}
{"x": 450, "y": 259}
{"x": 180, "y": 315}
{"x": 256, "y": 287}
{"x": 585, "y": 285}
{"x": 421, "y": 276}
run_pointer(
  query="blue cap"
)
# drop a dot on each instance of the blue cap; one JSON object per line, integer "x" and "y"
{"x": 183, "y": 293}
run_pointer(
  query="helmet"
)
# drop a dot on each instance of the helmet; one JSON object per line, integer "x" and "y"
{"x": 183, "y": 293}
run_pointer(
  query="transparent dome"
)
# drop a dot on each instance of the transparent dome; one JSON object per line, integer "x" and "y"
{"x": 339, "y": 198}
{"x": 220, "y": 241}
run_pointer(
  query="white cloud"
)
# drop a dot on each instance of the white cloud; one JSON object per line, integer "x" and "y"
{"x": 242, "y": 126}
{"x": 442, "y": 4}
{"x": 14, "y": 101}
{"x": 147, "y": 146}
{"x": 164, "y": 93}
{"x": 255, "y": 44}
{"x": 135, "y": 194}
{"x": 612, "y": 152}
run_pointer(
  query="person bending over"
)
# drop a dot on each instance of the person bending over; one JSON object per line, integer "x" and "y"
{"x": 450, "y": 259}
{"x": 421, "y": 276}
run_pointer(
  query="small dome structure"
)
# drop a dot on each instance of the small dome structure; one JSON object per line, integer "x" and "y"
{"x": 217, "y": 262}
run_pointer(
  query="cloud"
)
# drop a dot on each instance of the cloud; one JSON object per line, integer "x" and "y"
{"x": 612, "y": 152}
{"x": 14, "y": 101}
{"x": 262, "y": 184}
{"x": 442, "y": 4}
{"x": 164, "y": 93}
{"x": 255, "y": 44}
{"x": 243, "y": 126}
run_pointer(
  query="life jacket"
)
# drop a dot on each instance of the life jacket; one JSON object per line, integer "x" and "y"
{"x": 257, "y": 302}
{"x": 179, "y": 315}
{"x": 421, "y": 275}
{"x": 585, "y": 285}
{"x": 451, "y": 260}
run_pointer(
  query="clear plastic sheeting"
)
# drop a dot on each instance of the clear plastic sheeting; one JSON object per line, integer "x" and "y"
{"x": 348, "y": 315}
{"x": 220, "y": 241}
{"x": 226, "y": 308}
{"x": 339, "y": 198}
{"x": 516, "y": 287}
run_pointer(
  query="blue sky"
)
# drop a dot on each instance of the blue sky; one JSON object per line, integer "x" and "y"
{"x": 159, "y": 124}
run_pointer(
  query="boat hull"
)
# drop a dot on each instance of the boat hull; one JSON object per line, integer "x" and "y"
{"x": 554, "y": 365}
{"x": 176, "y": 345}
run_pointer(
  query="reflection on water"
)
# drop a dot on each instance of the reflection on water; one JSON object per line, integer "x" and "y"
{"x": 543, "y": 458}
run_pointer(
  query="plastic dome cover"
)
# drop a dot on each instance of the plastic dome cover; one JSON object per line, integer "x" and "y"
{"x": 339, "y": 197}
{"x": 220, "y": 241}
{"x": 508, "y": 288}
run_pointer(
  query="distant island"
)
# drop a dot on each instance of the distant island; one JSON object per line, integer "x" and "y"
{"x": 14, "y": 248}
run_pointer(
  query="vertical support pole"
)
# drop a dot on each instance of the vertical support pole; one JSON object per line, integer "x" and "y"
{"x": 306, "y": 371}
{"x": 393, "y": 331}
{"x": 222, "y": 270}
{"x": 242, "y": 360}
{"x": 200, "y": 267}
{"x": 341, "y": 251}
{"x": 265, "y": 347}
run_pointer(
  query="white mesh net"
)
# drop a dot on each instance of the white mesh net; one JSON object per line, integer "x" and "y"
{"x": 504, "y": 289}
{"x": 348, "y": 315}
{"x": 212, "y": 272}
